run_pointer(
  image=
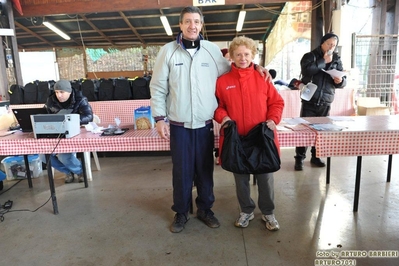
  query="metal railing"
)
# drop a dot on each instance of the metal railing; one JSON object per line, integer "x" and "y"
{"x": 376, "y": 59}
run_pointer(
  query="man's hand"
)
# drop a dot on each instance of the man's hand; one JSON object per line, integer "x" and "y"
{"x": 163, "y": 129}
{"x": 328, "y": 56}
{"x": 337, "y": 80}
{"x": 264, "y": 73}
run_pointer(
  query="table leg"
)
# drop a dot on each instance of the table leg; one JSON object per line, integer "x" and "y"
{"x": 357, "y": 184}
{"x": 51, "y": 183}
{"x": 83, "y": 158}
{"x": 389, "y": 168}
{"x": 28, "y": 175}
{"x": 328, "y": 170}
{"x": 87, "y": 164}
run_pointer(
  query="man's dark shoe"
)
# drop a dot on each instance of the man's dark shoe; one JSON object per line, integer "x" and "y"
{"x": 178, "y": 222}
{"x": 317, "y": 162}
{"x": 208, "y": 217}
{"x": 298, "y": 165}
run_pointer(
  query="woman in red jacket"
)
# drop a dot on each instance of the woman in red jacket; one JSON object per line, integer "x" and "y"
{"x": 243, "y": 96}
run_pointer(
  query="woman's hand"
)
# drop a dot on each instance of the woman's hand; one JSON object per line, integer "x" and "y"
{"x": 225, "y": 119}
{"x": 270, "y": 124}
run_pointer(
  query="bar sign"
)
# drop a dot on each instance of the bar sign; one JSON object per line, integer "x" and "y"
{"x": 208, "y": 2}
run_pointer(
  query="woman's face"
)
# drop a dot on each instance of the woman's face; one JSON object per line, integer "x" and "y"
{"x": 242, "y": 56}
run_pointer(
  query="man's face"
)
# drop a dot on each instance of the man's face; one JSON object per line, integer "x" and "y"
{"x": 62, "y": 96}
{"x": 191, "y": 26}
{"x": 329, "y": 44}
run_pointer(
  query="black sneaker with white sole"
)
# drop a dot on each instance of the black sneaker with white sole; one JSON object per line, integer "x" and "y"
{"x": 178, "y": 222}
{"x": 208, "y": 217}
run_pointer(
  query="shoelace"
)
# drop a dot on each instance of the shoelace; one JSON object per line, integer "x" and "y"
{"x": 181, "y": 218}
{"x": 270, "y": 218}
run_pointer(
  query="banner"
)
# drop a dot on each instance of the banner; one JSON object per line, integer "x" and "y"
{"x": 294, "y": 22}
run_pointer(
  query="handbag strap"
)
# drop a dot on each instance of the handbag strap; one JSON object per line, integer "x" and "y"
{"x": 314, "y": 61}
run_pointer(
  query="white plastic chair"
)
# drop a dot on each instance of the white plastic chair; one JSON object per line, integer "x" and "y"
{"x": 96, "y": 120}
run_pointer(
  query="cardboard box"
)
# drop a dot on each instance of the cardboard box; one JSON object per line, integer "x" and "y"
{"x": 143, "y": 118}
{"x": 7, "y": 120}
{"x": 14, "y": 166}
{"x": 371, "y": 106}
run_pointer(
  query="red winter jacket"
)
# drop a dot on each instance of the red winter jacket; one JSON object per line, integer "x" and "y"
{"x": 248, "y": 99}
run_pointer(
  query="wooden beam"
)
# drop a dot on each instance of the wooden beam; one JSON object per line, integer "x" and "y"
{"x": 96, "y": 29}
{"x": 33, "y": 8}
{"x": 34, "y": 34}
{"x": 131, "y": 27}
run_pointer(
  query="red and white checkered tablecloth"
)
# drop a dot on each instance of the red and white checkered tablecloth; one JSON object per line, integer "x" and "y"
{"x": 364, "y": 135}
{"x": 107, "y": 110}
{"x": 343, "y": 104}
{"x": 133, "y": 140}
{"x": 299, "y": 138}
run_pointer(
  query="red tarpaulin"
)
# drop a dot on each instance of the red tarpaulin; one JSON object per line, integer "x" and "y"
{"x": 17, "y": 5}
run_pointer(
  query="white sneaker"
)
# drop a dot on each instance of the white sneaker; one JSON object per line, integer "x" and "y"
{"x": 81, "y": 178}
{"x": 69, "y": 178}
{"x": 271, "y": 222}
{"x": 243, "y": 220}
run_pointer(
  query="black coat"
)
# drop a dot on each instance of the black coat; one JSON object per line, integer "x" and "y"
{"x": 78, "y": 105}
{"x": 312, "y": 65}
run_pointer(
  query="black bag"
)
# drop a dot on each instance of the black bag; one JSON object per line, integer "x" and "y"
{"x": 43, "y": 91}
{"x": 76, "y": 85}
{"x": 106, "y": 90}
{"x": 16, "y": 93}
{"x": 255, "y": 153}
{"x": 122, "y": 89}
{"x": 88, "y": 90}
{"x": 30, "y": 92}
{"x": 141, "y": 88}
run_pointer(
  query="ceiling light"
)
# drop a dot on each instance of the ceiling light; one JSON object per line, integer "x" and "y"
{"x": 166, "y": 25}
{"x": 241, "y": 18}
{"x": 56, "y": 30}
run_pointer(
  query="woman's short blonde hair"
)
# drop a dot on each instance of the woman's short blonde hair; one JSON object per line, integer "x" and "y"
{"x": 245, "y": 41}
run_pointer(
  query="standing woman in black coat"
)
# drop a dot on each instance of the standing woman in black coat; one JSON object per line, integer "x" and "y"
{"x": 312, "y": 66}
{"x": 64, "y": 97}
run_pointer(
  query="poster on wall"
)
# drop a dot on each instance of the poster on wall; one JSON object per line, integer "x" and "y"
{"x": 40, "y": 66}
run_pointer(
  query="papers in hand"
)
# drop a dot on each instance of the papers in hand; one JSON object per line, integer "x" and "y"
{"x": 335, "y": 73}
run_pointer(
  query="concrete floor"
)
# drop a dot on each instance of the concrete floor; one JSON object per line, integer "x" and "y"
{"x": 123, "y": 218}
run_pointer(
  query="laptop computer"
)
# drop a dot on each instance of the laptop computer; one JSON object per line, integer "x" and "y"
{"x": 23, "y": 117}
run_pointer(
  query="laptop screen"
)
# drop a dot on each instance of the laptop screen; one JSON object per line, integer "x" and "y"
{"x": 23, "y": 117}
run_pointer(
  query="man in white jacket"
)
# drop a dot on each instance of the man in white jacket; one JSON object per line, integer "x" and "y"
{"x": 183, "y": 93}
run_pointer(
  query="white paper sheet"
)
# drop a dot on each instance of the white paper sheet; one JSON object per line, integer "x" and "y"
{"x": 335, "y": 73}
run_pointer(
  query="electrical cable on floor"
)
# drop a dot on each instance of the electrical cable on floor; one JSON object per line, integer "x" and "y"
{"x": 11, "y": 187}
{"x": 3, "y": 212}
